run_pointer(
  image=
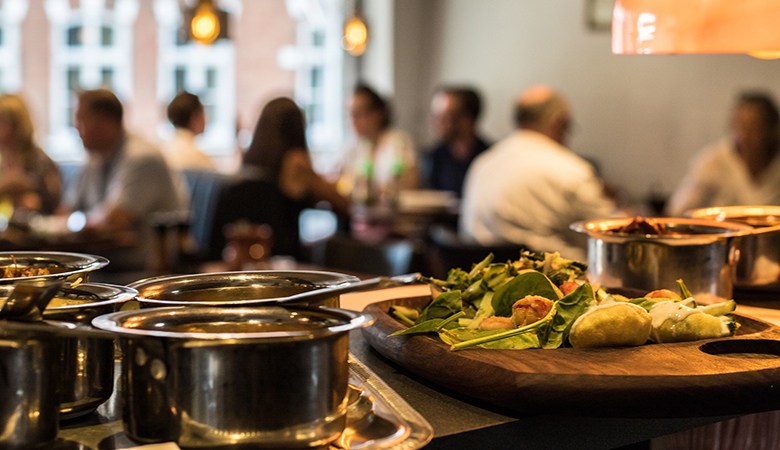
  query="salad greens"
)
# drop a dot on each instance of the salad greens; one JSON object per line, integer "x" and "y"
{"x": 494, "y": 290}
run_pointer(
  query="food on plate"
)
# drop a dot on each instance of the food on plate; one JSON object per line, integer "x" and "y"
{"x": 650, "y": 226}
{"x": 540, "y": 301}
{"x": 528, "y": 310}
{"x": 611, "y": 324}
{"x": 15, "y": 270}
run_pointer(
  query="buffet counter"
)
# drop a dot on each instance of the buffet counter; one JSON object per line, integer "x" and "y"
{"x": 456, "y": 422}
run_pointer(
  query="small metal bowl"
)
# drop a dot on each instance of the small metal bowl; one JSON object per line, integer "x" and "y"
{"x": 62, "y": 265}
{"x": 237, "y": 288}
{"x": 758, "y": 267}
{"x": 701, "y": 252}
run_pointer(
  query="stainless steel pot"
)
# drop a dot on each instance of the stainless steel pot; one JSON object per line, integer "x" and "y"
{"x": 237, "y": 288}
{"x": 86, "y": 365}
{"x": 759, "y": 251}
{"x": 702, "y": 253}
{"x": 263, "y": 377}
{"x": 29, "y": 368}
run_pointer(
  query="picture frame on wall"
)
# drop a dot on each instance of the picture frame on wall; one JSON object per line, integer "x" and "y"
{"x": 598, "y": 14}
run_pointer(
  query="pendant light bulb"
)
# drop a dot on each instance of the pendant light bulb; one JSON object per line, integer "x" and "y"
{"x": 205, "y": 24}
{"x": 355, "y": 36}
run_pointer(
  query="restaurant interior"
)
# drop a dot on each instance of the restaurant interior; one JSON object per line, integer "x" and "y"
{"x": 389, "y": 224}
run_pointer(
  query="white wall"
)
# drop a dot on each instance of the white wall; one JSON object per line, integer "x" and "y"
{"x": 641, "y": 117}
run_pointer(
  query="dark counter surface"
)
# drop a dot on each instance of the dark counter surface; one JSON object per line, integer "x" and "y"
{"x": 458, "y": 422}
{"x": 461, "y": 423}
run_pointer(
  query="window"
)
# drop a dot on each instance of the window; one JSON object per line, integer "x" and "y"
{"x": 206, "y": 71}
{"x": 317, "y": 59}
{"x": 74, "y": 36}
{"x": 91, "y": 47}
{"x": 12, "y": 13}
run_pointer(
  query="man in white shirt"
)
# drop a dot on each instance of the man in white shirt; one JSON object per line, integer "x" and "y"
{"x": 528, "y": 188}
{"x": 188, "y": 117}
{"x": 741, "y": 170}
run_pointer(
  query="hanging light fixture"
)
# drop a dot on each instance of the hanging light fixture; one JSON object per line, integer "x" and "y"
{"x": 355, "y": 34}
{"x": 204, "y": 26}
{"x": 697, "y": 26}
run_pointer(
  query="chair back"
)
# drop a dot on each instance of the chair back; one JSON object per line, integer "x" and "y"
{"x": 205, "y": 189}
{"x": 452, "y": 252}
{"x": 383, "y": 259}
{"x": 257, "y": 201}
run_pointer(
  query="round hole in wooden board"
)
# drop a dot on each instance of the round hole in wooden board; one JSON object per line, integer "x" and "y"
{"x": 743, "y": 348}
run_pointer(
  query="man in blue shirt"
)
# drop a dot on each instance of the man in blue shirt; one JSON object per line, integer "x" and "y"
{"x": 455, "y": 111}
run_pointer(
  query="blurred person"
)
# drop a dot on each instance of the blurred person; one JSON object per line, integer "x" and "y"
{"x": 743, "y": 169}
{"x": 28, "y": 177}
{"x": 279, "y": 153}
{"x": 188, "y": 117}
{"x": 124, "y": 181}
{"x": 384, "y": 160}
{"x": 454, "y": 111}
{"x": 528, "y": 188}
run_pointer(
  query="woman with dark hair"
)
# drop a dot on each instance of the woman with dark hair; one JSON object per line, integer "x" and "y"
{"x": 278, "y": 153}
{"x": 383, "y": 161}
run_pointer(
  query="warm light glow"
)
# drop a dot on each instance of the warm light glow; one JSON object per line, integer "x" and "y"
{"x": 355, "y": 36}
{"x": 696, "y": 26}
{"x": 765, "y": 54}
{"x": 205, "y": 24}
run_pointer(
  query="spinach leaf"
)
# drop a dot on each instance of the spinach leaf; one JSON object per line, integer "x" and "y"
{"x": 485, "y": 310}
{"x": 568, "y": 309}
{"x": 443, "y": 306}
{"x": 458, "y": 335}
{"x": 429, "y": 326}
{"x": 503, "y": 334}
{"x": 684, "y": 292}
{"x": 646, "y": 303}
{"x": 526, "y": 283}
{"x": 481, "y": 265}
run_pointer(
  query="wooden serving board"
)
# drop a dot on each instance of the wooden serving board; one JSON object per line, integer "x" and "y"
{"x": 716, "y": 377}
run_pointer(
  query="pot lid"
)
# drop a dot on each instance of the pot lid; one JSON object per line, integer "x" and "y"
{"x": 213, "y": 323}
{"x": 236, "y": 288}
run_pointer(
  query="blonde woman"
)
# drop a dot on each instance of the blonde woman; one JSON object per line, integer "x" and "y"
{"x": 27, "y": 175}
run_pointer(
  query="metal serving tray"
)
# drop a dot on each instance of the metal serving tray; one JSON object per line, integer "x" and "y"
{"x": 377, "y": 419}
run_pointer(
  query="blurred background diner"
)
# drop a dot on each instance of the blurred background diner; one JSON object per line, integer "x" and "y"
{"x": 367, "y": 157}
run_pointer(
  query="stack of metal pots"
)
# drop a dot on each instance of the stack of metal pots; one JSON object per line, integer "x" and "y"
{"x": 249, "y": 372}
{"x": 45, "y": 377}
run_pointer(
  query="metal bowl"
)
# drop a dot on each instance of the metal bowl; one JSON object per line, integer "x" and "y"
{"x": 759, "y": 261}
{"x": 261, "y": 377}
{"x": 701, "y": 252}
{"x": 62, "y": 265}
{"x": 237, "y": 288}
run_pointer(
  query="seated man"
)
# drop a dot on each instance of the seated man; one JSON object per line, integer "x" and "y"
{"x": 188, "y": 117}
{"x": 528, "y": 188}
{"x": 455, "y": 112}
{"x": 124, "y": 181}
{"x": 741, "y": 170}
